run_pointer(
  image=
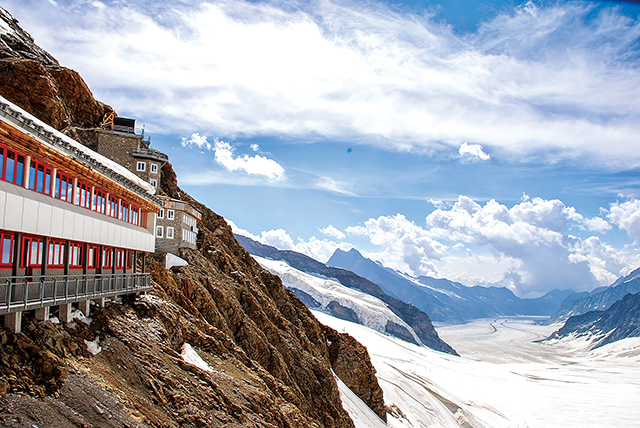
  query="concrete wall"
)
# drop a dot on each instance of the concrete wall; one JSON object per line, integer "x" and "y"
{"x": 26, "y": 211}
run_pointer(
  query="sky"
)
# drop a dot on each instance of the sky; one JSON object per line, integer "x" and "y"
{"x": 488, "y": 142}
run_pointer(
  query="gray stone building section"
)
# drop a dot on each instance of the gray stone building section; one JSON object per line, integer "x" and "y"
{"x": 176, "y": 227}
{"x": 120, "y": 143}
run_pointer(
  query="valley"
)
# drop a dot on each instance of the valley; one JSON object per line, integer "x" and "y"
{"x": 504, "y": 378}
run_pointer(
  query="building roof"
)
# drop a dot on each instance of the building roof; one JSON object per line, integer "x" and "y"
{"x": 49, "y": 136}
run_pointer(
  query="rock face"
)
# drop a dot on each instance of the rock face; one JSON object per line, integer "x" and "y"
{"x": 263, "y": 357}
{"x": 33, "y": 79}
{"x": 619, "y": 321}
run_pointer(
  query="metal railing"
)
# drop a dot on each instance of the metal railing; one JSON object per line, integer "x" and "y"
{"x": 23, "y": 293}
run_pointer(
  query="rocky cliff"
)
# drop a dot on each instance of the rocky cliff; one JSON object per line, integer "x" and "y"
{"x": 33, "y": 79}
{"x": 261, "y": 358}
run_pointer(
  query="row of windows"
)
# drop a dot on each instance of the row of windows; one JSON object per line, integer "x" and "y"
{"x": 142, "y": 167}
{"x": 160, "y": 232}
{"x": 170, "y": 214}
{"x": 188, "y": 220}
{"x": 33, "y": 251}
{"x": 41, "y": 180}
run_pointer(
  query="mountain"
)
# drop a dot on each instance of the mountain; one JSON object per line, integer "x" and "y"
{"x": 600, "y": 298}
{"x": 412, "y": 316}
{"x": 621, "y": 320}
{"x": 445, "y": 300}
{"x": 219, "y": 342}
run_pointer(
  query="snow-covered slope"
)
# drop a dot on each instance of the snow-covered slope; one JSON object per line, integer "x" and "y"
{"x": 503, "y": 379}
{"x": 334, "y": 298}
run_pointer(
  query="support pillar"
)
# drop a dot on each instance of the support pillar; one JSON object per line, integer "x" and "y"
{"x": 101, "y": 302}
{"x": 13, "y": 322}
{"x": 65, "y": 312}
{"x": 84, "y": 307}
{"x": 42, "y": 314}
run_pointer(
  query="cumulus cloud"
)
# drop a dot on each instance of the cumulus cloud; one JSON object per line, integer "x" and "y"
{"x": 527, "y": 247}
{"x": 528, "y": 81}
{"x": 333, "y": 232}
{"x": 318, "y": 249}
{"x": 474, "y": 152}
{"x": 626, "y": 215}
{"x": 254, "y": 165}
{"x": 224, "y": 155}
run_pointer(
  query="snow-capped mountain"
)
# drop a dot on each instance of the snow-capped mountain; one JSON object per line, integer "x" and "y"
{"x": 445, "y": 300}
{"x": 601, "y": 298}
{"x": 418, "y": 321}
{"x": 620, "y": 321}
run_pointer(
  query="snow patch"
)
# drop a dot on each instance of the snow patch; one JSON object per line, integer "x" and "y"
{"x": 361, "y": 415}
{"x": 171, "y": 260}
{"x": 93, "y": 346}
{"x": 78, "y": 315}
{"x": 190, "y": 356}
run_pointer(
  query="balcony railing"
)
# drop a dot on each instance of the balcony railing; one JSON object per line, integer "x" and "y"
{"x": 23, "y": 293}
{"x": 150, "y": 154}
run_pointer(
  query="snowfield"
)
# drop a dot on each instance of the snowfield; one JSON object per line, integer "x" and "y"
{"x": 370, "y": 310}
{"x": 504, "y": 377}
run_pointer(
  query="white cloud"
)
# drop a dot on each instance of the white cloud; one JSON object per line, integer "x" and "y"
{"x": 196, "y": 140}
{"x": 334, "y": 232}
{"x": 526, "y": 82}
{"x": 254, "y": 165}
{"x": 318, "y": 249}
{"x": 255, "y": 147}
{"x": 626, "y": 215}
{"x": 223, "y": 154}
{"x": 474, "y": 152}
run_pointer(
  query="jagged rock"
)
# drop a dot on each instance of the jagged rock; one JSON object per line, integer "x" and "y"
{"x": 351, "y": 363}
{"x": 33, "y": 79}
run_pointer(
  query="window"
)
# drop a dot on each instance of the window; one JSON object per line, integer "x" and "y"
{"x": 154, "y": 168}
{"x": 135, "y": 215}
{"x": 40, "y": 177}
{"x": 6, "y": 249}
{"x": 154, "y": 183}
{"x": 99, "y": 201}
{"x": 63, "y": 187}
{"x": 84, "y": 195}
{"x": 107, "y": 257}
{"x": 169, "y": 232}
{"x": 119, "y": 259}
{"x": 124, "y": 211}
{"x": 142, "y": 166}
{"x": 159, "y": 232}
{"x": 112, "y": 207}
{"x": 75, "y": 255}
{"x": 11, "y": 166}
{"x": 161, "y": 213}
{"x": 32, "y": 249}
{"x": 92, "y": 256}
{"x": 55, "y": 256}
{"x": 170, "y": 215}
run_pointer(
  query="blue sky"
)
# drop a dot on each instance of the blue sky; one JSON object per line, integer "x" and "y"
{"x": 489, "y": 142}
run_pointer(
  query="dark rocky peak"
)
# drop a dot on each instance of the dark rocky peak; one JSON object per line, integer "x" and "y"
{"x": 32, "y": 79}
{"x": 17, "y": 43}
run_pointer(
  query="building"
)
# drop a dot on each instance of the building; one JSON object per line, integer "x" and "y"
{"x": 73, "y": 223}
{"x": 177, "y": 220}
{"x": 177, "y": 226}
{"x": 118, "y": 141}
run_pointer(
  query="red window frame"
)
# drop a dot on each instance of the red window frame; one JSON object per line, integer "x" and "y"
{"x": 18, "y": 160}
{"x": 99, "y": 201}
{"x": 120, "y": 258}
{"x": 93, "y": 256}
{"x": 6, "y": 254}
{"x": 75, "y": 255}
{"x": 113, "y": 206}
{"x": 63, "y": 187}
{"x": 107, "y": 257}
{"x": 55, "y": 256}
{"x": 40, "y": 177}
{"x": 30, "y": 258}
{"x": 84, "y": 194}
